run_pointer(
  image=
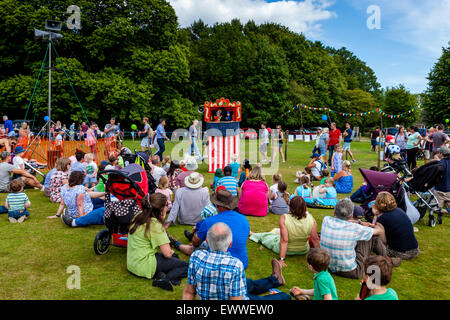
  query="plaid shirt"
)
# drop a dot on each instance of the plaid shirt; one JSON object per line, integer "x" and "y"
{"x": 209, "y": 211}
{"x": 217, "y": 275}
{"x": 339, "y": 238}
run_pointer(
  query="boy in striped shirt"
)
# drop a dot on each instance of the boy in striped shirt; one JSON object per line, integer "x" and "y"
{"x": 17, "y": 202}
{"x": 229, "y": 182}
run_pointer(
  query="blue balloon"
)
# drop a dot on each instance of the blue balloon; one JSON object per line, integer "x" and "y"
{"x": 324, "y": 117}
{"x": 46, "y": 118}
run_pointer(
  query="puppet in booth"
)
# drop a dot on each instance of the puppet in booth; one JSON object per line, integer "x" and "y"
{"x": 218, "y": 116}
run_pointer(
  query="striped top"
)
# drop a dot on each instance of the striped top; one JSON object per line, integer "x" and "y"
{"x": 339, "y": 238}
{"x": 16, "y": 201}
{"x": 230, "y": 184}
{"x": 209, "y": 211}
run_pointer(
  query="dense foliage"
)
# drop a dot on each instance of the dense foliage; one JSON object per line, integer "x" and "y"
{"x": 130, "y": 60}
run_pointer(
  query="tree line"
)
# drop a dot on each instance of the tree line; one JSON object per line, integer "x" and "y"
{"x": 131, "y": 59}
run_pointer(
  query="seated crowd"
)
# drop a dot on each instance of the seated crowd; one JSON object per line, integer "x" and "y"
{"x": 217, "y": 242}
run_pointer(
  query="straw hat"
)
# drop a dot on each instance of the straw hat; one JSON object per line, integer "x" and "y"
{"x": 224, "y": 198}
{"x": 194, "y": 180}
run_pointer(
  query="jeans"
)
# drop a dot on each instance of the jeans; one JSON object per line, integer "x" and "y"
{"x": 174, "y": 268}
{"x": 96, "y": 216}
{"x": 16, "y": 214}
{"x": 330, "y": 151}
{"x": 194, "y": 149}
{"x": 411, "y": 155}
{"x": 162, "y": 148}
{"x": 255, "y": 287}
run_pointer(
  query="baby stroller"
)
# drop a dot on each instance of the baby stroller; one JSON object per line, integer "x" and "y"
{"x": 141, "y": 158}
{"x": 128, "y": 186}
{"x": 378, "y": 182}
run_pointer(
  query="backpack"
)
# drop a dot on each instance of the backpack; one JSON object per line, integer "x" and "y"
{"x": 427, "y": 176}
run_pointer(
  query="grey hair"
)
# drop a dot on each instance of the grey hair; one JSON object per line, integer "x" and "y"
{"x": 344, "y": 209}
{"x": 219, "y": 237}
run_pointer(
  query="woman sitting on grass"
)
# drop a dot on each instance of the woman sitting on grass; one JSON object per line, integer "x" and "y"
{"x": 59, "y": 178}
{"x": 295, "y": 229}
{"x": 80, "y": 210}
{"x": 254, "y": 193}
{"x": 344, "y": 179}
{"x": 146, "y": 235}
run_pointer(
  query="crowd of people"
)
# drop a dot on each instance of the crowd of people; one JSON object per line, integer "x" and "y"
{"x": 218, "y": 232}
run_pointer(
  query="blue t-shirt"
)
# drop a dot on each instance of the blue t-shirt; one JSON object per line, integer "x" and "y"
{"x": 160, "y": 131}
{"x": 348, "y": 137}
{"x": 48, "y": 177}
{"x": 9, "y": 125}
{"x": 235, "y": 169}
{"x": 230, "y": 184}
{"x": 78, "y": 166}
{"x": 239, "y": 227}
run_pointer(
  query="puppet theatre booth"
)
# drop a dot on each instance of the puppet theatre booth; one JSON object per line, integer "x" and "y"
{"x": 222, "y": 119}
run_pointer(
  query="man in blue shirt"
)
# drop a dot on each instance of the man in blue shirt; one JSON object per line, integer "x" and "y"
{"x": 348, "y": 134}
{"x": 160, "y": 137}
{"x": 9, "y": 128}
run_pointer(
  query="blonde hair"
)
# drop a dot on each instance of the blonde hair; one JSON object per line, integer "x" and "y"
{"x": 62, "y": 164}
{"x": 89, "y": 157}
{"x": 276, "y": 177}
{"x": 256, "y": 174}
{"x": 166, "y": 159}
{"x": 346, "y": 164}
{"x": 234, "y": 157}
{"x": 329, "y": 181}
{"x": 385, "y": 202}
{"x": 325, "y": 130}
{"x": 163, "y": 183}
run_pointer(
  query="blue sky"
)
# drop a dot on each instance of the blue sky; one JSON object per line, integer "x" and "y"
{"x": 403, "y": 51}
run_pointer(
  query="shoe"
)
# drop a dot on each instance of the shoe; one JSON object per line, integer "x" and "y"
{"x": 162, "y": 282}
{"x": 188, "y": 235}
{"x": 439, "y": 218}
{"x": 276, "y": 272}
{"x": 172, "y": 240}
{"x": 416, "y": 229}
{"x": 396, "y": 262}
{"x": 21, "y": 219}
{"x": 175, "y": 282}
{"x": 353, "y": 161}
{"x": 12, "y": 220}
{"x": 67, "y": 219}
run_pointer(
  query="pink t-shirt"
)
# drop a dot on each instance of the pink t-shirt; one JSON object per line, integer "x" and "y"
{"x": 168, "y": 193}
{"x": 253, "y": 201}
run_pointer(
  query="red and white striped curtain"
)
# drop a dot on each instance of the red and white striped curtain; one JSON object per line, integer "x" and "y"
{"x": 220, "y": 150}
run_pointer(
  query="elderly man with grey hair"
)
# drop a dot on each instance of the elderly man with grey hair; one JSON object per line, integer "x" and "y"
{"x": 350, "y": 242}
{"x": 216, "y": 275}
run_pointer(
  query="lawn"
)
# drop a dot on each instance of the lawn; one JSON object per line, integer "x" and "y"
{"x": 35, "y": 255}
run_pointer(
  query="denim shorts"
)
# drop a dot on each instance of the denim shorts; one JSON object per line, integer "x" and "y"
{"x": 145, "y": 142}
{"x": 88, "y": 179}
{"x": 16, "y": 214}
{"x": 346, "y": 146}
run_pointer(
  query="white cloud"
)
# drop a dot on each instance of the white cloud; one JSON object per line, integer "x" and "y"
{"x": 424, "y": 25}
{"x": 298, "y": 16}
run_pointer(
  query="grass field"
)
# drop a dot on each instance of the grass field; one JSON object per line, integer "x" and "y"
{"x": 35, "y": 255}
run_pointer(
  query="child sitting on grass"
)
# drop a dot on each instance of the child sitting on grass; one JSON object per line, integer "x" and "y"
{"x": 378, "y": 292}
{"x": 165, "y": 164}
{"x": 325, "y": 174}
{"x": 324, "y": 287}
{"x": 17, "y": 202}
{"x": 307, "y": 171}
{"x": 304, "y": 190}
{"x": 91, "y": 171}
{"x": 163, "y": 187}
{"x": 274, "y": 187}
{"x": 280, "y": 199}
{"x": 328, "y": 194}
{"x": 217, "y": 176}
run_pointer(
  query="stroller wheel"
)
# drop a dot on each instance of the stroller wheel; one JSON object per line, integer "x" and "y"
{"x": 432, "y": 220}
{"x": 102, "y": 242}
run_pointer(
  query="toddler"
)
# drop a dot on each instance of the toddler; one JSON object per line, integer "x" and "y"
{"x": 328, "y": 194}
{"x": 91, "y": 170}
{"x": 17, "y": 202}
{"x": 163, "y": 187}
{"x": 325, "y": 174}
{"x": 235, "y": 166}
{"x": 336, "y": 160}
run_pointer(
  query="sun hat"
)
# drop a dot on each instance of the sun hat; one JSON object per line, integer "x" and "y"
{"x": 19, "y": 149}
{"x": 224, "y": 198}
{"x": 194, "y": 180}
{"x": 191, "y": 164}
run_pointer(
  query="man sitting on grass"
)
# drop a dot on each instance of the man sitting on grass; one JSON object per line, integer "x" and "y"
{"x": 214, "y": 274}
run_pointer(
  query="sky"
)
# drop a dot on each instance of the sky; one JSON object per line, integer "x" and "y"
{"x": 400, "y": 40}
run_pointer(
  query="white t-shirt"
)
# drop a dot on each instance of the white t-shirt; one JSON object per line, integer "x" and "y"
{"x": 91, "y": 169}
{"x": 316, "y": 171}
{"x": 158, "y": 172}
{"x": 18, "y": 163}
{"x": 273, "y": 189}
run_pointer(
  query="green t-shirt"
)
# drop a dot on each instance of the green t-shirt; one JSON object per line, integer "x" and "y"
{"x": 390, "y": 294}
{"x": 324, "y": 284}
{"x": 141, "y": 250}
{"x": 100, "y": 187}
{"x": 412, "y": 140}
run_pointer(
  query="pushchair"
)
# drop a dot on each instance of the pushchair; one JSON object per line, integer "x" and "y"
{"x": 129, "y": 186}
